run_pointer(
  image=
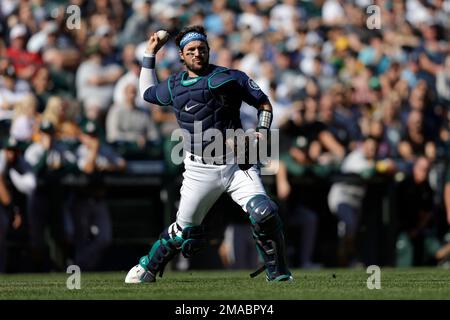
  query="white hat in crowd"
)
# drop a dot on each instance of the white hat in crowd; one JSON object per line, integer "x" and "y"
{"x": 19, "y": 30}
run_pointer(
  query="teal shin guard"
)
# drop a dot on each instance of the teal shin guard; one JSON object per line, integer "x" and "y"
{"x": 160, "y": 255}
{"x": 269, "y": 238}
{"x": 271, "y": 248}
{"x": 189, "y": 241}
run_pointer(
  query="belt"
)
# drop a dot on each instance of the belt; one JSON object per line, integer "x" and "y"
{"x": 216, "y": 161}
{"x": 202, "y": 160}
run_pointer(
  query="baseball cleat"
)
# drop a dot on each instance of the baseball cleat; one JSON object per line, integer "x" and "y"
{"x": 138, "y": 274}
{"x": 282, "y": 278}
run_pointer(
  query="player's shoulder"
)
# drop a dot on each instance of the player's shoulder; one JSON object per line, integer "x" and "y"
{"x": 242, "y": 79}
{"x": 219, "y": 75}
{"x": 219, "y": 70}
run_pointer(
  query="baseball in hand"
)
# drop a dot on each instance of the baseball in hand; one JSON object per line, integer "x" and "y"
{"x": 163, "y": 35}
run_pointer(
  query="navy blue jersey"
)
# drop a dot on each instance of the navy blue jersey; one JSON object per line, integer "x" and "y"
{"x": 250, "y": 92}
{"x": 211, "y": 101}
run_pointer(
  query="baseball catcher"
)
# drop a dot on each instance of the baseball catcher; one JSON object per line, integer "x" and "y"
{"x": 209, "y": 97}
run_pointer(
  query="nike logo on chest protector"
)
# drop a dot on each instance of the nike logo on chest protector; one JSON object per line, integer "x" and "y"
{"x": 187, "y": 108}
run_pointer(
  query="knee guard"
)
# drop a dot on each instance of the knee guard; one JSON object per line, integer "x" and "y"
{"x": 173, "y": 240}
{"x": 263, "y": 213}
{"x": 268, "y": 234}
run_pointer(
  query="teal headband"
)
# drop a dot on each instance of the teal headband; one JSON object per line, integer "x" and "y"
{"x": 191, "y": 36}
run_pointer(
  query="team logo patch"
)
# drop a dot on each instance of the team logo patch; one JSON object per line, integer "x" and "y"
{"x": 253, "y": 84}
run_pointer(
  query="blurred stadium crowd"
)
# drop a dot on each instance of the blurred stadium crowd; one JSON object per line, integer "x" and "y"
{"x": 353, "y": 105}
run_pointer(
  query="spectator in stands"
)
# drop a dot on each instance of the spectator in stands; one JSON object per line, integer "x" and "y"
{"x": 390, "y": 115}
{"x": 53, "y": 112}
{"x": 92, "y": 222}
{"x": 131, "y": 77}
{"x": 42, "y": 87}
{"x": 310, "y": 150}
{"x": 63, "y": 115}
{"x": 136, "y": 27}
{"x": 128, "y": 123}
{"x": 50, "y": 159}
{"x": 10, "y": 93}
{"x": 101, "y": 10}
{"x": 377, "y": 131}
{"x": 443, "y": 82}
{"x": 299, "y": 216}
{"x": 15, "y": 178}
{"x": 94, "y": 110}
{"x": 61, "y": 50}
{"x": 107, "y": 49}
{"x": 25, "y": 16}
{"x": 45, "y": 38}
{"x": 249, "y": 18}
{"x": 345, "y": 198}
{"x": 414, "y": 141}
{"x": 25, "y": 63}
{"x": 312, "y": 141}
{"x": 129, "y": 126}
{"x": 417, "y": 242}
{"x": 333, "y": 12}
{"x": 24, "y": 123}
{"x": 337, "y": 127}
{"x": 285, "y": 16}
{"x": 93, "y": 79}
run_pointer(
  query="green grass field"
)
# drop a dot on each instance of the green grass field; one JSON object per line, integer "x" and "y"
{"x": 417, "y": 283}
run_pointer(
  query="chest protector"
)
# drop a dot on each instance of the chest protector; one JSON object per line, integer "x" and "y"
{"x": 205, "y": 106}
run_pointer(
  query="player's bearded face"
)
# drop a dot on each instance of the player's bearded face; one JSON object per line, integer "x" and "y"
{"x": 196, "y": 56}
